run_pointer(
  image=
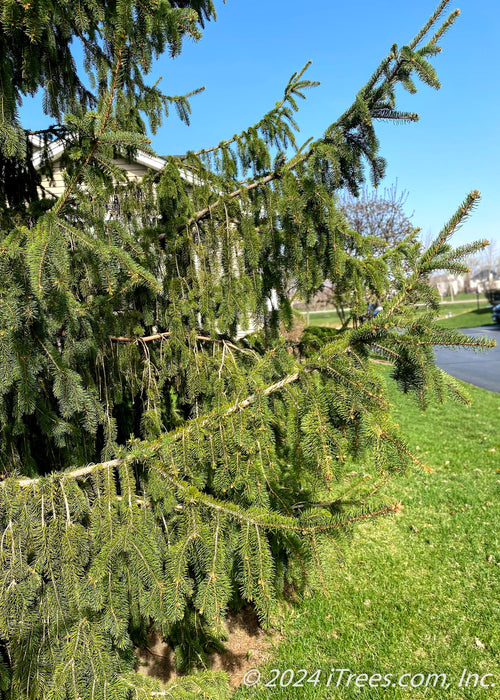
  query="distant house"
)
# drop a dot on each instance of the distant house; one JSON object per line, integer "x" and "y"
{"x": 135, "y": 168}
{"x": 484, "y": 280}
{"x": 447, "y": 284}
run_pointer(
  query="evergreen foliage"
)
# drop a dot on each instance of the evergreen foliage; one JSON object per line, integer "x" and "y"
{"x": 155, "y": 469}
{"x": 381, "y": 217}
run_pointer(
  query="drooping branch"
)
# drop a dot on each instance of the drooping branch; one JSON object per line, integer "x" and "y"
{"x": 150, "y": 338}
{"x": 277, "y": 521}
{"x": 390, "y": 75}
{"x": 293, "y": 88}
{"x": 206, "y": 211}
{"x": 167, "y": 334}
{"x": 96, "y": 140}
{"x": 175, "y": 435}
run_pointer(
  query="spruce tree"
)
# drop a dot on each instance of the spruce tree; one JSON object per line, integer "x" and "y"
{"x": 380, "y": 216}
{"x": 156, "y": 469}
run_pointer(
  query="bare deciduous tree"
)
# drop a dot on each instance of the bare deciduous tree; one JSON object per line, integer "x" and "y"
{"x": 379, "y": 215}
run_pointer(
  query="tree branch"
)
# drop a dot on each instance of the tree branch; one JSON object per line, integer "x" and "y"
{"x": 168, "y": 334}
{"x": 72, "y": 184}
{"x": 177, "y": 435}
{"x": 203, "y": 213}
{"x": 294, "y": 162}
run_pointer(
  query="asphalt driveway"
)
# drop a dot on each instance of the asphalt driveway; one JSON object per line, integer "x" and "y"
{"x": 478, "y": 368}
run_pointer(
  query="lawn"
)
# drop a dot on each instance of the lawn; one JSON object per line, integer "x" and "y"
{"x": 418, "y": 593}
{"x": 464, "y": 314}
{"x": 472, "y": 319}
{"x": 461, "y": 307}
{"x": 463, "y": 296}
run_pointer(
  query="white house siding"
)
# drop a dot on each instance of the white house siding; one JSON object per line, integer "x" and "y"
{"x": 55, "y": 185}
{"x": 135, "y": 172}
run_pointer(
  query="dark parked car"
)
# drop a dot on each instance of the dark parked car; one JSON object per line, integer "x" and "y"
{"x": 496, "y": 314}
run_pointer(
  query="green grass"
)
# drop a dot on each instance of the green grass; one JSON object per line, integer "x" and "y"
{"x": 464, "y": 315}
{"x": 472, "y": 319}
{"x": 419, "y": 593}
{"x": 324, "y": 318}
{"x": 464, "y": 296}
{"x": 457, "y": 307}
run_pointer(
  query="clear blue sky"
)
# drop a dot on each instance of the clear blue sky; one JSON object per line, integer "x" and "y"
{"x": 246, "y": 57}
